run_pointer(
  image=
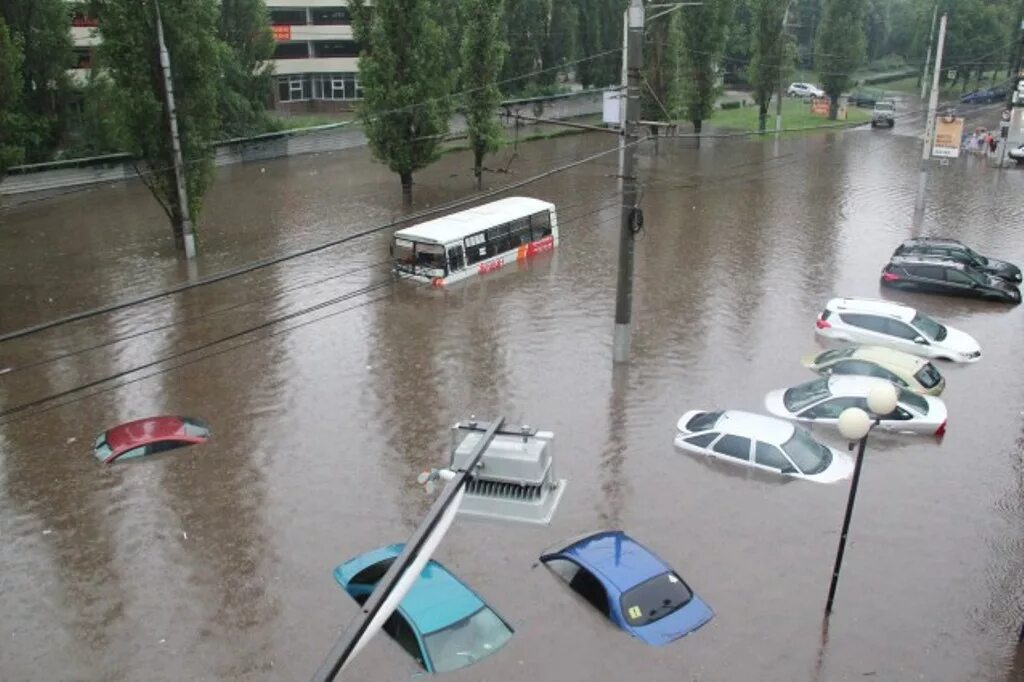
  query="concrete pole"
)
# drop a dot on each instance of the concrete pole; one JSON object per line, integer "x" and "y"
{"x": 929, "y": 130}
{"x": 179, "y": 165}
{"x": 928, "y": 55}
{"x": 782, "y": 54}
{"x": 630, "y": 212}
{"x": 624, "y": 81}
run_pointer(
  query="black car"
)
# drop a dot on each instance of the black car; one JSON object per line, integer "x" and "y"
{"x": 951, "y": 249}
{"x": 934, "y": 276}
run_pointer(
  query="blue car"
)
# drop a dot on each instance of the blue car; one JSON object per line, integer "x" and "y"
{"x": 441, "y": 623}
{"x": 630, "y": 585}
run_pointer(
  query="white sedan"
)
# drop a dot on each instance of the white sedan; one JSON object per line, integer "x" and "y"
{"x": 804, "y": 90}
{"x": 760, "y": 442}
{"x": 822, "y": 401}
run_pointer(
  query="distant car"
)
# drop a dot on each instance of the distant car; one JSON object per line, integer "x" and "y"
{"x": 822, "y": 401}
{"x": 883, "y": 113}
{"x": 630, "y": 585}
{"x": 933, "y": 275}
{"x": 883, "y": 323}
{"x": 952, "y": 249}
{"x": 984, "y": 96}
{"x": 761, "y": 442}
{"x": 148, "y": 437}
{"x": 1017, "y": 154}
{"x": 440, "y": 622}
{"x": 905, "y": 370}
{"x": 862, "y": 99}
{"x": 804, "y": 90}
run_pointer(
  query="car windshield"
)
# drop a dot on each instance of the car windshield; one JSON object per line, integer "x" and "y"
{"x": 930, "y": 327}
{"x": 830, "y": 356}
{"x": 914, "y": 400}
{"x": 810, "y": 456}
{"x": 654, "y": 599}
{"x": 928, "y": 376}
{"x": 884, "y": 106}
{"x": 975, "y": 256}
{"x": 799, "y": 397}
{"x": 467, "y": 641}
{"x": 101, "y": 448}
{"x": 703, "y": 421}
{"x": 196, "y": 429}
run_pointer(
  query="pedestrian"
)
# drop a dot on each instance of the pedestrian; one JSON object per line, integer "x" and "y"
{"x": 992, "y": 143}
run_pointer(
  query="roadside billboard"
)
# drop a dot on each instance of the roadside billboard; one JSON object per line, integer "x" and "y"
{"x": 948, "y": 131}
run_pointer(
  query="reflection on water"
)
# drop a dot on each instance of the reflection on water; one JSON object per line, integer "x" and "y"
{"x": 215, "y": 562}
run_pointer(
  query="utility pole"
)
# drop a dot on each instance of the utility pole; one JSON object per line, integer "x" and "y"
{"x": 631, "y": 219}
{"x": 624, "y": 82}
{"x": 782, "y": 54}
{"x": 929, "y": 130}
{"x": 928, "y": 55}
{"x": 179, "y": 165}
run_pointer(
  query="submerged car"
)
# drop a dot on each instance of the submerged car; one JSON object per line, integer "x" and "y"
{"x": 761, "y": 442}
{"x": 905, "y": 370}
{"x": 1017, "y": 154}
{"x": 440, "y": 622}
{"x": 822, "y": 401}
{"x": 984, "y": 96}
{"x": 630, "y": 585}
{"x": 933, "y": 275}
{"x": 957, "y": 251}
{"x": 883, "y": 114}
{"x": 148, "y": 436}
{"x": 883, "y": 323}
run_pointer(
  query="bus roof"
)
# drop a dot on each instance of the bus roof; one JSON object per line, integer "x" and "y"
{"x": 464, "y": 223}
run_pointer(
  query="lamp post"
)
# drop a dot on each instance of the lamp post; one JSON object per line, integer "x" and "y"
{"x": 854, "y": 424}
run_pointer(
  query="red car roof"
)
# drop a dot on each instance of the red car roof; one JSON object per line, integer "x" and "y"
{"x": 150, "y": 430}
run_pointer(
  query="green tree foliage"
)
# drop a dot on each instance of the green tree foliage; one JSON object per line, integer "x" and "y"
{"x": 43, "y": 29}
{"x": 600, "y": 23}
{"x": 705, "y": 29}
{"x": 663, "y": 45}
{"x": 526, "y": 28}
{"x": 12, "y": 151}
{"x": 560, "y": 43}
{"x": 738, "y": 44}
{"x": 406, "y": 86}
{"x": 244, "y": 27}
{"x": 98, "y": 126}
{"x": 768, "y": 50}
{"x": 129, "y": 51}
{"x": 839, "y": 47}
{"x": 483, "y": 52}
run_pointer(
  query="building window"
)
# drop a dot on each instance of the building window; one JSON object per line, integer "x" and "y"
{"x": 287, "y": 17}
{"x": 336, "y": 48}
{"x": 294, "y": 88}
{"x": 83, "y": 58}
{"x": 332, "y": 16}
{"x": 335, "y": 86}
{"x": 297, "y": 50}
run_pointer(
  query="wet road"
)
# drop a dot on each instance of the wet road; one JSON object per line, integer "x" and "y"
{"x": 215, "y": 562}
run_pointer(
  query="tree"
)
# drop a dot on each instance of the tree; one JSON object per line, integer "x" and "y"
{"x": 768, "y": 48}
{"x": 600, "y": 30}
{"x": 839, "y": 47}
{"x": 483, "y": 52}
{"x": 560, "y": 43}
{"x": 129, "y": 51}
{"x": 406, "y": 105}
{"x": 244, "y": 27}
{"x": 11, "y": 151}
{"x": 526, "y": 28}
{"x": 738, "y": 45}
{"x": 43, "y": 29}
{"x": 659, "y": 93}
{"x": 705, "y": 28}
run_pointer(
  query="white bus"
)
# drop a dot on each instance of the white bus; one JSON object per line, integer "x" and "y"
{"x": 475, "y": 241}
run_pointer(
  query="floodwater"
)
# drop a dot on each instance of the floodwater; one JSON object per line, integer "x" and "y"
{"x": 215, "y": 562}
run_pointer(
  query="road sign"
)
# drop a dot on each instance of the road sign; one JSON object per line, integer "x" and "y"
{"x": 948, "y": 130}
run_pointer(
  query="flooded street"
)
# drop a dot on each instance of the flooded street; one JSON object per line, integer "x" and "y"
{"x": 215, "y": 562}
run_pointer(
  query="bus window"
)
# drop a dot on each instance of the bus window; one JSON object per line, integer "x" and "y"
{"x": 498, "y": 240}
{"x": 456, "y": 260}
{"x": 520, "y": 232}
{"x": 430, "y": 256}
{"x": 476, "y": 248}
{"x": 541, "y": 224}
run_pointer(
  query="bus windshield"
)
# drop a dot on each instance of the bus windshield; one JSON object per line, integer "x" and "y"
{"x": 419, "y": 258}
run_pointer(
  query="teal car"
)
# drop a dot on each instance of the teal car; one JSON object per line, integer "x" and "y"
{"x": 442, "y": 623}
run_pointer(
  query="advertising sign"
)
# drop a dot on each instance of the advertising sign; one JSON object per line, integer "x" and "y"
{"x": 282, "y": 33}
{"x": 948, "y": 130}
{"x": 819, "y": 106}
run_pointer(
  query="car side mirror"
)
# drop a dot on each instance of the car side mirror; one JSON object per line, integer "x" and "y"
{"x": 920, "y": 340}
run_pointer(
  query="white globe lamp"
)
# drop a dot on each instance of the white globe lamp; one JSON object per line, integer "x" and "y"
{"x": 882, "y": 399}
{"x": 854, "y": 423}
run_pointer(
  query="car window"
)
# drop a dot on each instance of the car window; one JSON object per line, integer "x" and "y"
{"x": 466, "y": 641}
{"x": 929, "y": 327}
{"x": 901, "y": 330}
{"x": 830, "y": 409}
{"x": 195, "y": 428}
{"x": 703, "y": 440}
{"x": 932, "y": 272}
{"x": 140, "y": 451}
{"x": 703, "y": 421}
{"x": 928, "y": 376}
{"x": 855, "y": 367}
{"x": 770, "y": 456}
{"x": 734, "y": 446}
{"x": 899, "y": 414}
{"x": 372, "y": 574}
{"x": 799, "y": 397}
{"x": 583, "y": 582}
{"x": 809, "y": 456}
{"x": 870, "y": 322}
{"x": 834, "y": 354}
{"x": 958, "y": 277}
{"x": 654, "y": 599}
{"x": 398, "y": 628}
{"x": 919, "y": 403}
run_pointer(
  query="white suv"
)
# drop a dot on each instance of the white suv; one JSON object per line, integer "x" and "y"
{"x": 761, "y": 442}
{"x": 865, "y": 320}
{"x": 804, "y": 90}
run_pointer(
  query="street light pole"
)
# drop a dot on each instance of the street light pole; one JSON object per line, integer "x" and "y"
{"x": 929, "y": 130}
{"x": 855, "y": 424}
{"x": 928, "y": 56}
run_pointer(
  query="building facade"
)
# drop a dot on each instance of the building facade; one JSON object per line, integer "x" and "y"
{"x": 316, "y": 60}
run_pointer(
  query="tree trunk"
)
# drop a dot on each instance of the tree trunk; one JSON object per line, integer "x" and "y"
{"x": 406, "y": 177}
{"x": 478, "y": 168}
{"x": 833, "y": 108}
{"x": 762, "y": 116}
{"x": 697, "y": 125}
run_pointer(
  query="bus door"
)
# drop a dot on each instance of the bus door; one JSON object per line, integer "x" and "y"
{"x": 456, "y": 258}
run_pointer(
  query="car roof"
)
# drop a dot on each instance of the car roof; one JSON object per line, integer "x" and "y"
{"x": 926, "y": 259}
{"x": 931, "y": 241}
{"x": 889, "y": 356}
{"x": 872, "y": 306}
{"x": 620, "y": 559}
{"x": 754, "y": 426}
{"x": 142, "y": 431}
{"x": 853, "y": 385}
{"x": 436, "y": 599}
